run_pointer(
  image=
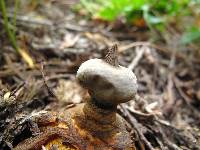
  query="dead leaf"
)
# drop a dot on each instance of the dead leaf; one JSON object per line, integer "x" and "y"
{"x": 68, "y": 91}
{"x": 69, "y": 41}
{"x": 27, "y": 58}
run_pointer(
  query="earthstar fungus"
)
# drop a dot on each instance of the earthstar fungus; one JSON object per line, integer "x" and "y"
{"x": 94, "y": 125}
{"x": 107, "y": 81}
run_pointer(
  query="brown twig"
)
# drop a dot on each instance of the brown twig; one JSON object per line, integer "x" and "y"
{"x": 137, "y": 127}
{"x": 135, "y": 61}
{"x": 148, "y": 44}
{"x": 17, "y": 89}
{"x": 186, "y": 98}
{"x": 45, "y": 82}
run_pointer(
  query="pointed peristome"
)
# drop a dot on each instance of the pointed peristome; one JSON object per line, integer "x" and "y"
{"x": 112, "y": 56}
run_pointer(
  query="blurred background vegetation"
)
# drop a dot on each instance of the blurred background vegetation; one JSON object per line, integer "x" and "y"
{"x": 157, "y": 15}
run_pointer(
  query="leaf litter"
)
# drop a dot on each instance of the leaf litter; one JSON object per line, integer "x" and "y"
{"x": 165, "y": 114}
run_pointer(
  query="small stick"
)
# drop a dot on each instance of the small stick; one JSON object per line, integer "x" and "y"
{"x": 17, "y": 89}
{"x": 45, "y": 82}
{"x": 135, "y": 124}
{"x": 140, "y": 52}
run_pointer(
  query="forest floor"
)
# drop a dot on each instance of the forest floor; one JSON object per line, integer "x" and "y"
{"x": 166, "y": 115}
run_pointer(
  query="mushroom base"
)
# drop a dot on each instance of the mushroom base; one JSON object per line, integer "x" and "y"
{"x": 78, "y": 129}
